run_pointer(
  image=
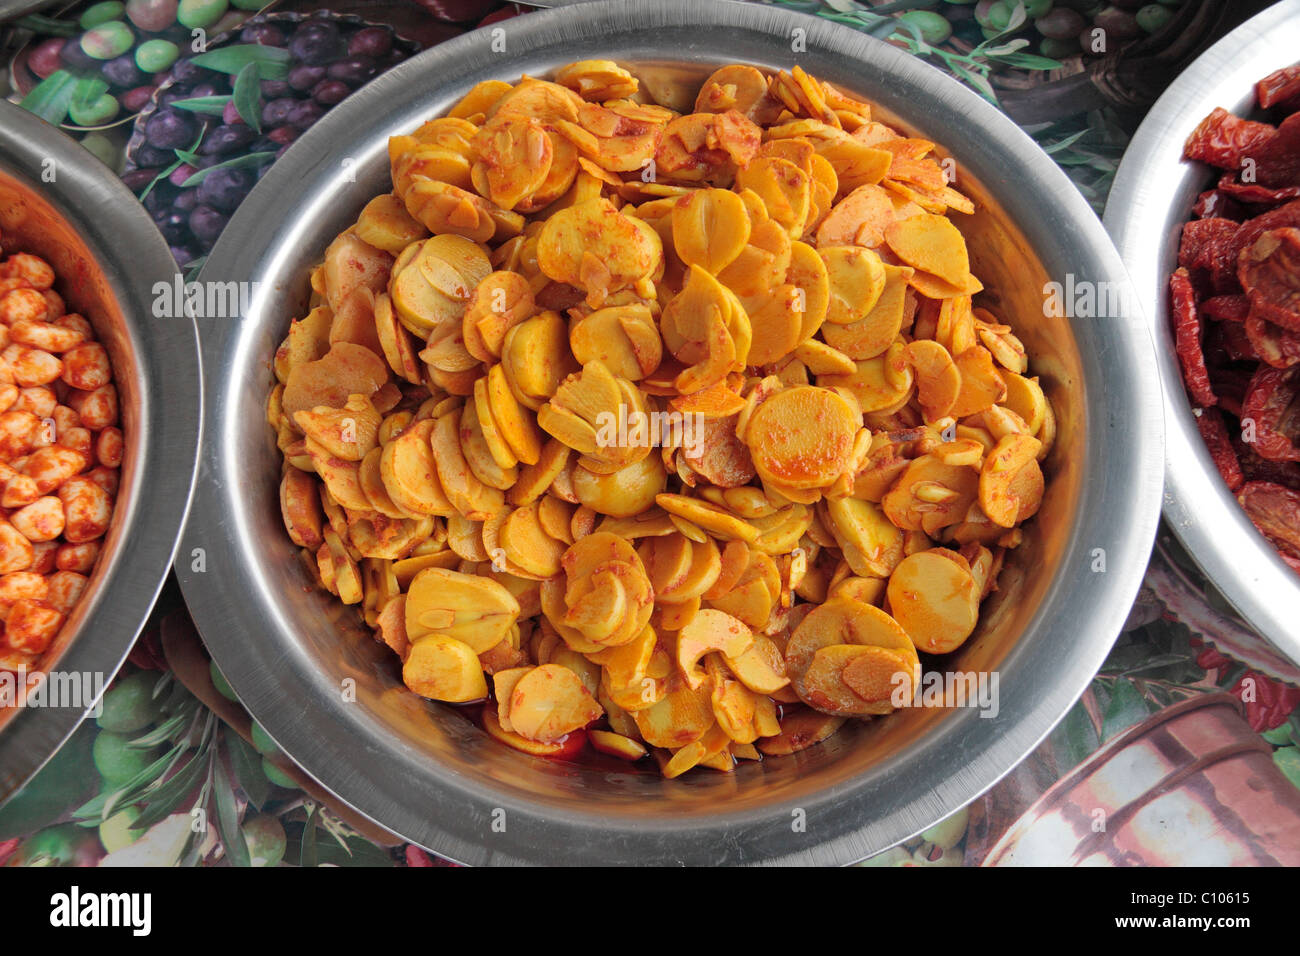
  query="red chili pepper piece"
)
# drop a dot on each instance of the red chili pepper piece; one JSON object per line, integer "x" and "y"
{"x": 1187, "y": 339}
{"x": 1275, "y": 511}
{"x": 1280, "y": 88}
{"x": 1222, "y": 139}
{"x": 1210, "y": 424}
{"x": 1273, "y": 406}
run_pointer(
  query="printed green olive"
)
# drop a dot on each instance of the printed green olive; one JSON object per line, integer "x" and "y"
{"x": 934, "y": 28}
{"x": 95, "y": 113}
{"x": 107, "y": 41}
{"x": 154, "y": 56}
{"x": 117, "y": 761}
{"x": 128, "y": 705}
{"x": 278, "y": 776}
{"x": 265, "y": 839}
{"x": 201, "y": 14}
{"x": 98, "y": 13}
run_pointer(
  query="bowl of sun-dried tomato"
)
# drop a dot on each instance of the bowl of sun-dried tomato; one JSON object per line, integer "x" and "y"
{"x": 1205, "y": 211}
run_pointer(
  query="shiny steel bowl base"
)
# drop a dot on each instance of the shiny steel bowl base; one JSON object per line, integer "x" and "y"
{"x": 1151, "y": 200}
{"x": 107, "y": 256}
{"x": 426, "y": 770}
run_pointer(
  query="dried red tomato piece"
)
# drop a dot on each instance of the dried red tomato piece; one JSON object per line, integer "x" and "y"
{"x": 1222, "y": 139}
{"x": 1280, "y": 88}
{"x": 1275, "y": 511}
{"x": 1277, "y": 159}
{"x": 1254, "y": 468}
{"x": 1227, "y": 308}
{"x": 1230, "y": 186}
{"x": 1273, "y": 344}
{"x": 1269, "y": 270}
{"x": 1187, "y": 338}
{"x": 1273, "y": 406}
{"x": 1250, "y": 230}
{"x": 1230, "y": 385}
{"x": 1214, "y": 204}
{"x": 1226, "y": 342}
{"x": 1210, "y": 424}
{"x": 1200, "y": 233}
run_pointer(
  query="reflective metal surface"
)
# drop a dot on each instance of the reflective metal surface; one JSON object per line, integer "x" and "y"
{"x": 333, "y": 698}
{"x": 1152, "y": 197}
{"x": 59, "y": 202}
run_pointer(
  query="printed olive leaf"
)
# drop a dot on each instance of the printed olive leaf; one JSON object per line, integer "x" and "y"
{"x": 1075, "y": 738}
{"x": 357, "y": 852}
{"x": 1288, "y": 761}
{"x": 307, "y": 856}
{"x": 208, "y": 105}
{"x": 133, "y": 790}
{"x": 1028, "y": 61}
{"x": 246, "y": 764}
{"x": 50, "y": 98}
{"x": 170, "y": 796}
{"x": 86, "y": 91}
{"x": 247, "y": 95}
{"x": 249, "y": 159}
{"x": 193, "y": 268}
{"x": 272, "y": 62}
{"x": 232, "y": 837}
{"x": 1126, "y": 709}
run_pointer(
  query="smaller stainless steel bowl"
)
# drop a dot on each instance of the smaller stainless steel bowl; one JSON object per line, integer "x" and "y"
{"x": 1153, "y": 195}
{"x": 59, "y": 202}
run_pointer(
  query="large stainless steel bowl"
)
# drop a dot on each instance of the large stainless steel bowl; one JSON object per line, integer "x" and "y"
{"x": 1152, "y": 197}
{"x": 333, "y": 698}
{"x": 58, "y": 201}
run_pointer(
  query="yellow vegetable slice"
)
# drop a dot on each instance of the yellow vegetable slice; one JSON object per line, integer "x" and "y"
{"x": 443, "y": 668}
{"x": 935, "y": 600}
